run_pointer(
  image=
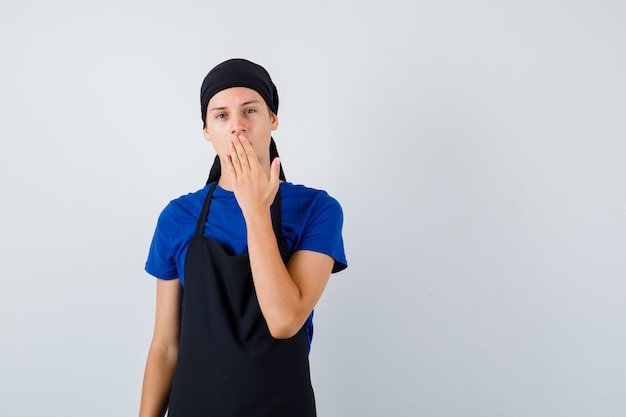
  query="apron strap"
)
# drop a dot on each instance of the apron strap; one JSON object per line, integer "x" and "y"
{"x": 277, "y": 217}
{"x": 205, "y": 211}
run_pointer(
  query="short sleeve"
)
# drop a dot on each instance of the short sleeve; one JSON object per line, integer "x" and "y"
{"x": 161, "y": 262}
{"x": 323, "y": 230}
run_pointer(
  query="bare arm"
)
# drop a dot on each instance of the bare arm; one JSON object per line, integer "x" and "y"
{"x": 286, "y": 294}
{"x": 163, "y": 351}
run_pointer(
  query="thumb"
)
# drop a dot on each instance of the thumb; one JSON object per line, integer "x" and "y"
{"x": 275, "y": 170}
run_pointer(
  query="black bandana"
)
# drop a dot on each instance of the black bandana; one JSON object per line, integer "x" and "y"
{"x": 238, "y": 73}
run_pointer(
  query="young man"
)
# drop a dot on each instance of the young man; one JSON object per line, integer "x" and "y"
{"x": 252, "y": 254}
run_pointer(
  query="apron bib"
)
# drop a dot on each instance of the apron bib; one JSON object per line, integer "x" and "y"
{"x": 228, "y": 363}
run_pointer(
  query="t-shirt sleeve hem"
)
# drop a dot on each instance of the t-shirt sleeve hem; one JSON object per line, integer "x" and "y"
{"x": 160, "y": 274}
{"x": 340, "y": 263}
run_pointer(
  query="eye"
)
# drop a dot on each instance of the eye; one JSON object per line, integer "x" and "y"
{"x": 250, "y": 111}
{"x": 220, "y": 115}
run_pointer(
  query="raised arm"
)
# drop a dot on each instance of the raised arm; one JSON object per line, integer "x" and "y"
{"x": 286, "y": 294}
{"x": 163, "y": 352}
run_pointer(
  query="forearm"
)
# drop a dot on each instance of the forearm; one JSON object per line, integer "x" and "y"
{"x": 157, "y": 381}
{"x": 279, "y": 296}
{"x": 286, "y": 294}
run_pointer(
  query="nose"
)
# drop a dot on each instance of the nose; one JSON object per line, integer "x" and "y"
{"x": 237, "y": 125}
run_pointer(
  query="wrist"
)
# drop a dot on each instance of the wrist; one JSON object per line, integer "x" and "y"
{"x": 257, "y": 218}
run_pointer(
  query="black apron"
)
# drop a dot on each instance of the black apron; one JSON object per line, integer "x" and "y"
{"x": 228, "y": 362}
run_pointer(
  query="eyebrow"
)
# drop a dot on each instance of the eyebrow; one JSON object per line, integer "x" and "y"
{"x": 242, "y": 105}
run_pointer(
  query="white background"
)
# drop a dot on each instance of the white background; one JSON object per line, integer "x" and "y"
{"x": 478, "y": 149}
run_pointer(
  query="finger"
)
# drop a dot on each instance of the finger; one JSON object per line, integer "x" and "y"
{"x": 232, "y": 152}
{"x": 275, "y": 171}
{"x": 241, "y": 152}
{"x": 251, "y": 155}
{"x": 230, "y": 166}
{"x": 233, "y": 158}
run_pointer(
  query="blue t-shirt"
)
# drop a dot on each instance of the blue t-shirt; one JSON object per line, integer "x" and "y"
{"x": 311, "y": 220}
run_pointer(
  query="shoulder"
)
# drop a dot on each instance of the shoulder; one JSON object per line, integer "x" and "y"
{"x": 315, "y": 220}
{"x": 184, "y": 208}
{"x": 308, "y": 200}
{"x": 175, "y": 226}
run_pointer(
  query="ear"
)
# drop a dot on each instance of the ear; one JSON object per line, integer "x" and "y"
{"x": 207, "y": 137}
{"x": 273, "y": 121}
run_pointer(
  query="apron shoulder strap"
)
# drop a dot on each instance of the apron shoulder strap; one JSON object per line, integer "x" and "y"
{"x": 277, "y": 221}
{"x": 205, "y": 211}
